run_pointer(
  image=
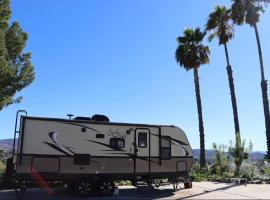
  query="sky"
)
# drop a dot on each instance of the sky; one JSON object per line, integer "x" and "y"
{"x": 117, "y": 58}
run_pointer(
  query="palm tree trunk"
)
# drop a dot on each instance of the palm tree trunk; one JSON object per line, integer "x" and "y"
{"x": 232, "y": 90}
{"x": 201, "y": 128}
{"x": 264, "y": 93}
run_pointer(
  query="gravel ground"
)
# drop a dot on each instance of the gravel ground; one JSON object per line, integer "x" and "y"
{"x": 201, "y": 190}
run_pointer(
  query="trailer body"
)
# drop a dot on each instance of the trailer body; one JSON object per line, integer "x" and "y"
{"x": 61, "y": 149}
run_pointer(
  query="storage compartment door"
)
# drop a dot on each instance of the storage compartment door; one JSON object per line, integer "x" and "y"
{"x": 45, "y": 165}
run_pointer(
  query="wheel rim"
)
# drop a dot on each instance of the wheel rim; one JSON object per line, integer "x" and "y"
{"x": 106, "y": 188}
{"x": 84, "y": 188}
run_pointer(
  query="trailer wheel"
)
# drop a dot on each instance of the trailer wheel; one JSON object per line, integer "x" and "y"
{"x": 106, "y": 188}
{"x": 84, "y": 188}
{"x": 71, "y": 186}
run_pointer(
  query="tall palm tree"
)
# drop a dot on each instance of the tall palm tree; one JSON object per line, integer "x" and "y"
{"x": 219, "y": 25}
{"x": 248, "y": 11}
{"x": 191, "y": 54}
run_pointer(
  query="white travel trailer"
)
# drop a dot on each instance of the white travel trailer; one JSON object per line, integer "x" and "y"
{"x": 91, "y": 153}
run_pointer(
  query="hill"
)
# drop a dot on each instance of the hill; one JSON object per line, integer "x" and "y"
{"x": 7, "y": 144}
{"x": 209, "y": 154}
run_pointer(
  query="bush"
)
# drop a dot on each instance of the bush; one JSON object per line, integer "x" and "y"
{"x": 122, "y": 182}
{"x": 197, "y": 174}
{"x": 198, "y": 177}
{"x": 2, "y": 169}
{"x": 239, "y": 153}
{"x": 220, "y": 160}
{"x": 249, "y": 170}
{"x": 265, "y": 170}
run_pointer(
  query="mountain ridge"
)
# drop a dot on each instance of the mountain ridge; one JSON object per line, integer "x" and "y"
{"x": 7, "y": 145}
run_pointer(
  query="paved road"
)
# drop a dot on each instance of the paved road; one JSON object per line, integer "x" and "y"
{"x": 202, "y": 190}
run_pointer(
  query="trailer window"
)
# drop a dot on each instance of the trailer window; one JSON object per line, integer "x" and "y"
{"x": 165, "y": 147}
{"x": 142, "y": 140}
{"x": 117, "y": 143}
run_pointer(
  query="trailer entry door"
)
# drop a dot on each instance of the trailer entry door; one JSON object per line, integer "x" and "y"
{"x": 142, "y": 151}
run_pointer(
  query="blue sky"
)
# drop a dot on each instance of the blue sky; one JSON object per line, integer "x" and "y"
{"x": 117, "y": 58}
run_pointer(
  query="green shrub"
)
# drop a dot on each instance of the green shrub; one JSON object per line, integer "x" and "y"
{"x": 197, "y": 174}
{"x": 220, "y": 160}
{"x": 239, "y": 153}
{"x": 2, "y": 168}
{"x": 267, "y": 171}
{"x": 122, "y": 182}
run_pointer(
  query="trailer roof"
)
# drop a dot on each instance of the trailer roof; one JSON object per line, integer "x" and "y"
{"x": 93, "y": 122}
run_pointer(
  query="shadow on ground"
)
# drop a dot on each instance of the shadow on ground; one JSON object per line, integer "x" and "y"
{"x": 60, "y": 193}
{"x": 222, "y": 189}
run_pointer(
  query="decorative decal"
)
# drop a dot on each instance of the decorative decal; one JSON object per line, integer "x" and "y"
{"x": 106, "y": 145}
{"x": 187, "y": 153}
{"x": 56, "y": 145}
{"x": 56, "y": 148}
{"x": 174, "y": 141}
{"x": 116, "y": 133}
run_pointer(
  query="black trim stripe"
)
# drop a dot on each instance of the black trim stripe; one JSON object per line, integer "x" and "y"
{"x": 106, "y": 145}
{"x": 69, "y": 148}
{"x": 187, "y": 153}
{"x": 93, "y": 122}
{"x": 21, "y": 141}
{"x": 56, "y": 148}
{"x": 172, "y": 140}
{"x": 52, "y": 136}
{"x": 159, "y": 144}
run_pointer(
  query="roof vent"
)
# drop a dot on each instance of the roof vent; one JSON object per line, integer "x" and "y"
{"x": 100, "y": 118}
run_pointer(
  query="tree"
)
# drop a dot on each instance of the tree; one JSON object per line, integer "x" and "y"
{"x": 219, "y": 25}
{"x": 16, "y": 70}
{"x": 249, "y": 11}
{"x": 191, "y": 54}
{"x": 239, "y": 153}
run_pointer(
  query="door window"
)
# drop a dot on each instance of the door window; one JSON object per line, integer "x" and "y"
{"x": 142, "y": 139}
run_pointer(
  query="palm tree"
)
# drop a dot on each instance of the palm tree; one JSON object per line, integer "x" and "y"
{"x": 191, "y": 54}
{"x": 219, "y": 25}
{"x": 248, "y": 11}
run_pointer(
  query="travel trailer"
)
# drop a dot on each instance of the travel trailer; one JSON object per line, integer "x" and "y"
{"x": 91, "y": 153}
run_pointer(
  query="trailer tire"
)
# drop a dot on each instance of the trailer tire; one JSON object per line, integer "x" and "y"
{"x": 71, "y": 186}
{"x": 84, "y": 188}
{"x": 106, "y": 188}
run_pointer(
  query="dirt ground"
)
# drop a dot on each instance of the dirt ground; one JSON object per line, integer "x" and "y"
{"x": 201, "y": 190}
